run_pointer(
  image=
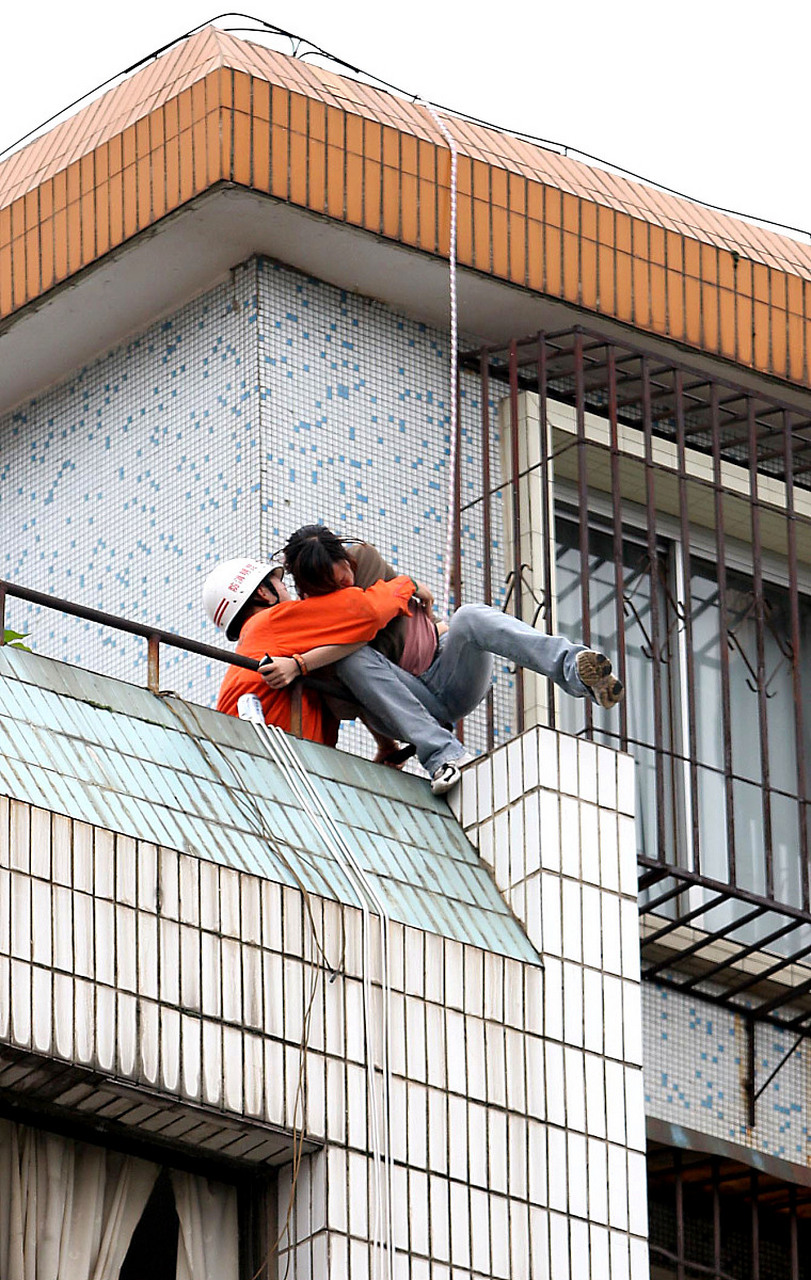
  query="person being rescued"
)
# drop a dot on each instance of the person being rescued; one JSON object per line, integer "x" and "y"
{"x": 414, "y": 680}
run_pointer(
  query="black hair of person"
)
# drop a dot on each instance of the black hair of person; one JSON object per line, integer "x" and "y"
{"x": 239, "y": 619}
{"x": 310, "y": 556}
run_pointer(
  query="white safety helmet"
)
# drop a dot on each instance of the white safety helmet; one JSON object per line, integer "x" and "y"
{"x": 230, "y": 586}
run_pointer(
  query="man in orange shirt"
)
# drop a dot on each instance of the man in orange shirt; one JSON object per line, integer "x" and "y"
{"x": 248, "y": 599}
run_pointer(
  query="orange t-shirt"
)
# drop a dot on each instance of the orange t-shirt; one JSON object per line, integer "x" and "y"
{"x": 342, "y": 617}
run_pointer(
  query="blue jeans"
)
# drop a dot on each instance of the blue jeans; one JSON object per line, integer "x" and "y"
{"x": 421, "y": 709}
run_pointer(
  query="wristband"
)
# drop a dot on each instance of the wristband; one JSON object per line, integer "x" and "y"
{"x": 300, "y": 663}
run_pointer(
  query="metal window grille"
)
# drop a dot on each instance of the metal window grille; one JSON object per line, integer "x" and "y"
{"x": 713, "y": 1218}
{"x": 684, "y": 502}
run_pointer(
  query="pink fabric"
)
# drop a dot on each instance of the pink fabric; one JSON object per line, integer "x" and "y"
{"x": 420, "y": 645}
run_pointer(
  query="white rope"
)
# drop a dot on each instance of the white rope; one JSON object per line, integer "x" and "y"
{"x": 313, "y": 803}
{"x": 382, "y": 1236}
{"x": 444, "y": 603}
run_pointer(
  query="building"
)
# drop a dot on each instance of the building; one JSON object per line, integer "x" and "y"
{"x": 263, "y": 1005}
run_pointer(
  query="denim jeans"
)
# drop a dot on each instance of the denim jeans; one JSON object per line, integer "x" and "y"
{"x": 421, "y": 709}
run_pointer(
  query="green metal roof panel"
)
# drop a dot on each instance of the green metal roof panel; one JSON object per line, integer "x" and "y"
{"x": 183, "y": 776}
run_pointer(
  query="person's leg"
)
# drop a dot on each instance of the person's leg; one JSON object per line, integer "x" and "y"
{"x": 393, "y": 707}
{"x": 461, "y": 673}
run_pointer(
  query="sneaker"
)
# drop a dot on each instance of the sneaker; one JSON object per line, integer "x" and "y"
{"x": 594, "y": 669}
{"x": 450, "y": 773}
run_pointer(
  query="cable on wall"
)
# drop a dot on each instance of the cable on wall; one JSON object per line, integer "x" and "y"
{"x": 246, "y": 802}
{"x": 369, "y": 901}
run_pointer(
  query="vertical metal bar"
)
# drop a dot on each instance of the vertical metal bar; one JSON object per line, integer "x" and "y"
{"x": 619, "y": 568}
{"x": 687, "y": 604}
{"x": 723, "y": 631}
{"x": 751, "y": 1069}
{"x": 794, "y": 1242}
{"x": 655, "y": 621}
{"x": 487, "y": 535}
{"x": 755, "y": 1193}
{"x": 583, "y": 504}
{"x": 680, "y": 1259}
{"x": 296, "y": 709}
{"x": 716, "y": 1218}
{"x": 797, "y": 690}
{"x": 2, "y": 615}
{"x": 456, "y": 569}
{"x": 547, "y": 510}
{"x": 515, "y": 462}
{"x": 153, "y": 664}
{"x": 760, "y": 647}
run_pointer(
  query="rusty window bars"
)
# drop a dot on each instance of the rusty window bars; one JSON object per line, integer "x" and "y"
{"x": 713, "y": 1218}
{"x": 666, "y": 444}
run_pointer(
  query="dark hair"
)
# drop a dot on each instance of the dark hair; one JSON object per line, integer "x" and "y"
{"x": 239, "y": 619}
{"x": 310, "y": 554}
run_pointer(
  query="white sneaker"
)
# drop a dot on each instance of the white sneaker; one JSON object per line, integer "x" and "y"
{"x": 450, "y": 773}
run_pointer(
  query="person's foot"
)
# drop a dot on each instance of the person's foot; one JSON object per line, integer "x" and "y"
{"x": 395, "y": 756}
{"x": 449, "y": 774}
{"x": 594, "y": 669}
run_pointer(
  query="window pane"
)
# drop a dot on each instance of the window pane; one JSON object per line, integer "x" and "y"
{"x": 638, "y": 670}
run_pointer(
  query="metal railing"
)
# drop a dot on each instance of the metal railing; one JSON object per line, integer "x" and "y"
{"x": 154, "y": 636}
{"x": 713, "y": 1218}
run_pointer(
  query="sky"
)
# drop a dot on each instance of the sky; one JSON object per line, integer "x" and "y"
{"x": 706, "y": 97}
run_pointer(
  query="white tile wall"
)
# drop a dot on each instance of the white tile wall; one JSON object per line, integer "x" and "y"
{"x": 553, "y": 818}
{"x": 203, "y": 990}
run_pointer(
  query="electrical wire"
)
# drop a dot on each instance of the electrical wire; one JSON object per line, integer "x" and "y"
{"x": 368, "y": 897}
{"x": 247, "y": 804}
{"x": 301, "y": 52}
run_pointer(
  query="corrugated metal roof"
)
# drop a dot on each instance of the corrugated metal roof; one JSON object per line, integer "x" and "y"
{"x": 159, "y": 769}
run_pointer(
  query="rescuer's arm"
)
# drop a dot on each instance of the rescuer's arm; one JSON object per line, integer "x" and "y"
{"x": 347, "y": 618}
{"x": 370, "y": 566}
{"x": 280, "y": 672}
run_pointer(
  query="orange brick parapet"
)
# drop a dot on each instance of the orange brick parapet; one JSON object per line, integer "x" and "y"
{"x": 361, "y": 157}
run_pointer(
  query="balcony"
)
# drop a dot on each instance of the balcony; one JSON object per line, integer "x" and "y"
{"x": 663, "y": 513}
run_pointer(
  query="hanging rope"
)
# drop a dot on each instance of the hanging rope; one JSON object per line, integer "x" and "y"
{"x": 444, "y": 603}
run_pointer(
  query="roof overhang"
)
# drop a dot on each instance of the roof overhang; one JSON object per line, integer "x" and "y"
{"x": 191, "y": 250}
{"x": 364, "y": 176}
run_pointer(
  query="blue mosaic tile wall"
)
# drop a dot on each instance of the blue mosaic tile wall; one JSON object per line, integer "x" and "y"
{"x": 355, "y": 417}
{"x": 272, "y": 401}
{"x": 120, "y": 486}
{"x": 695, "y": 1065}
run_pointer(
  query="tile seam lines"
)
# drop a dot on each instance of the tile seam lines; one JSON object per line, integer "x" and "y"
{"x": 224, "y": 826}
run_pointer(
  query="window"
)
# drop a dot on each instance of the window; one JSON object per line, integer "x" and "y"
{"x": 152, "y": 1254}
{"x": 718, "y": 1219}
{"x": 109, "y": 1213}
{"x": 760, "y": 849}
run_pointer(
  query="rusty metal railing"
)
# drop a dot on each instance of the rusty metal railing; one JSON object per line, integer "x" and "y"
{"x": 154, "y": 636}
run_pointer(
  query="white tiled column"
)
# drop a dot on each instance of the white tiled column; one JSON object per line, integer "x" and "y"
{"x": 553, "y": 817}
{"x": 535, "y": 537}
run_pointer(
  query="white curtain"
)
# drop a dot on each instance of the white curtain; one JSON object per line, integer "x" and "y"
{"x": 67, "y": 1209}
{"x": 207, "y": 1247}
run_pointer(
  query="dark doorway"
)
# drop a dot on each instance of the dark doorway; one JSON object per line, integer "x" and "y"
{"x": 152, "y": 1254}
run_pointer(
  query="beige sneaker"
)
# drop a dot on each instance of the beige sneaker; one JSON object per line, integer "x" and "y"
{"x": 595, "y": 670}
